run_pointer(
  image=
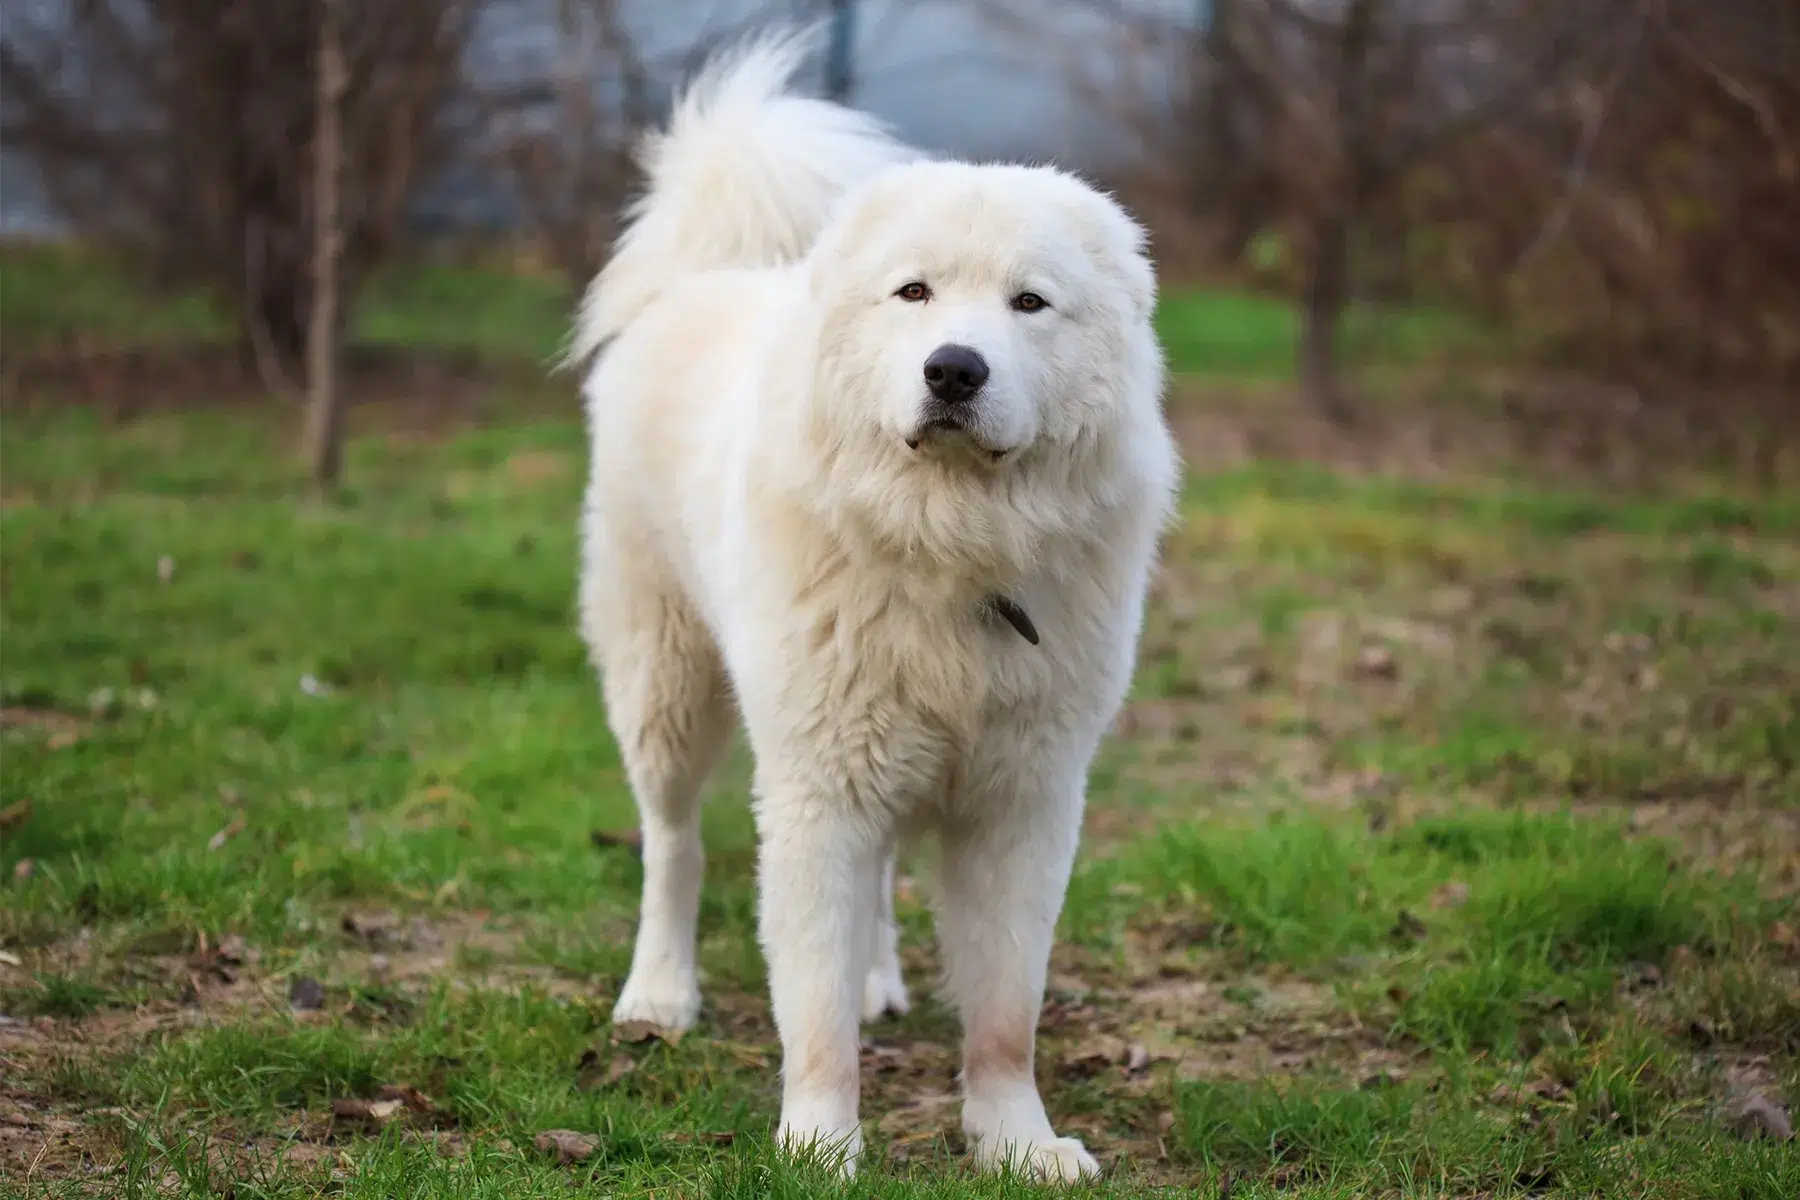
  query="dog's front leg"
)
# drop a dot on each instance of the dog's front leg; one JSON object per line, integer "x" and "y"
{"x": 820, "y": 867}
{"x": 1005, "y": 872}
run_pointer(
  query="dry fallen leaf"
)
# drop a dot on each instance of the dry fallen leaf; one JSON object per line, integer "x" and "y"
{"x": 1754, "y": 1115}
{"x": 234, "y": 950}
{"x": 415, "y": 1102}
{"x": 632, "y": 1032}
{"x": 10, "y": 959}
{"x": 306, "y": 994}
{"x": 231, "y": 830}
{"x": 1376, "y": 662}
{"x": 711, "y": 1137}
{"x": 450, "y": 1144}
{"x": 630, "y": 839}
{"x": 390, "y": 1102}
{"x": 60, "y": 729}
{"x": 1407, "y": 928}
{"x": 165, "y": 568}
{"x": 567, "y": 1145}
{"x": 1097, "y": 1053}
{"x": 371, "y": 927}
{"x": 1450, "y": 895}
{"x": 928, "y": 1111}
{"x": 591, "y": 1072}
{"x": 368, "y": 1112}
{"x": 14, "y": 814}
{"x": 1531, "y": 1093}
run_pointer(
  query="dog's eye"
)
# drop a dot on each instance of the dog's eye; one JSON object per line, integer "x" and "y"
{"x": 1028, "y": 302}
{"x": 914, "y": 292}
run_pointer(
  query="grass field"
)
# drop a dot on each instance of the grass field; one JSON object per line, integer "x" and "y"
{"x": 1449, "y": 846}
{"x": 54, "y": 296}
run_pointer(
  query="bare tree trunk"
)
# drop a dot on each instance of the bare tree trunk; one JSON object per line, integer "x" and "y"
{"x": 1232, "y": 179}
{"x": 324, "y": 424}
{"x": 1327, "y": 288}
{"x": 840, "y": 78}
{"x": 1328, "y": 274}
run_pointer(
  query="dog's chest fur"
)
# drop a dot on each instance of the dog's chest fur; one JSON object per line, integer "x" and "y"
{"x": 904, "y": 695}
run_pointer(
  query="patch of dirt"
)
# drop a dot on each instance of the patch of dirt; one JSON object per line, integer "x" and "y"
{"x": 1726, "y": 836}
{"x": 1165, "y": 1010}
{"x": 1439, "y": 423}
{"x": 227, "y": 982}
{"x": 443, "y": 385}
{"x": 1259, "y": 672}
{"x": 60, "y": 730}
{"x": 39, "y": 1143}
{"x": 377, "y": 953}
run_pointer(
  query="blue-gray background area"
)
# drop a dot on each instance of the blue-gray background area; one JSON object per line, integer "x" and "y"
{"x": 1047, "y": 80}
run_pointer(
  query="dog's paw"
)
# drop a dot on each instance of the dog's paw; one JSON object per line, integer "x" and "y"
{"x": 1058, "y": 1160}
{"x": 667, "y": 1004}
{"x": 884, "y": 992}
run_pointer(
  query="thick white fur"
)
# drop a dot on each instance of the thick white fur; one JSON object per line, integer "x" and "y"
{"x": 758, "y": 531}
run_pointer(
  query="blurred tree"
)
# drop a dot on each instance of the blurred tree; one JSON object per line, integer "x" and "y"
{"x": 1310, "y": 117}
{"x": 1671, "y": 180}
{"x": 324, "y": 427}
{"x": 840, "y": 51}
{"x": 1357, "y": 97}
{"x": 567, "y": 142}
{"x": 180, "y": 128}
{"x": 566, "y": 138}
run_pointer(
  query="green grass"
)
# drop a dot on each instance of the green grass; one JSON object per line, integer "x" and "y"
{"x": 1447, "y": 849}
{"x": 53, "y": 295}
{"x": 1214, "y": 334}
{"x": 61, "y": 296}
{"x": 1452, "y": 1138}
{"x": 52, "y": 995}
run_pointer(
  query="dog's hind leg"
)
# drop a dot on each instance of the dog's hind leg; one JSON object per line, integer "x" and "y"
{"x": 667, "y": 703}
{"x": 885, "y": 989}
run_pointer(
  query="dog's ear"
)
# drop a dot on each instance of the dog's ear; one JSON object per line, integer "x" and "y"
{"x": 853, "y": 220}
{"x": 1117, "y": 244}
{"x": 1140, "y": 283}
{"x": 1130, "y": 247}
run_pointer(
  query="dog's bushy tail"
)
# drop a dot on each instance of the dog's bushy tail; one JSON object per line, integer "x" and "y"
{"x": 745, "y": 175}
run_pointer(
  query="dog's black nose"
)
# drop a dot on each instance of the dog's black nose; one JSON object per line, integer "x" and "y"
{"x": 955, "y": 373}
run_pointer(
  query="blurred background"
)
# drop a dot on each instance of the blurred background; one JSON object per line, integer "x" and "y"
{"x": 1449, "y": 840}
{"x": 1601, "y": 188}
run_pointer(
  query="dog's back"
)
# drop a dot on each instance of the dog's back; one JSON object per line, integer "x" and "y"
{"x": 746, "y": 175}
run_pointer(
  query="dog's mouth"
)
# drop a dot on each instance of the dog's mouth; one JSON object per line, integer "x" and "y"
{"x": 947, "y": 425}
{"x": 937, "y": 431}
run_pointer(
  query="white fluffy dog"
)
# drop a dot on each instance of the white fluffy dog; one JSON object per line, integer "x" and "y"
{"x": 879, "y": 456}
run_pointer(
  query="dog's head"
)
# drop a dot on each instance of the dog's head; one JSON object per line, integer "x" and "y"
{"x": 971, "y": 313}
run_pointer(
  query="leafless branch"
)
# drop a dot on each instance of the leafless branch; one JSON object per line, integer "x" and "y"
{"x": 1593, "y": 122}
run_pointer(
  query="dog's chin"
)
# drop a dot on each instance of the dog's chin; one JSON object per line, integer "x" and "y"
{"x": 951, "y": 436}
